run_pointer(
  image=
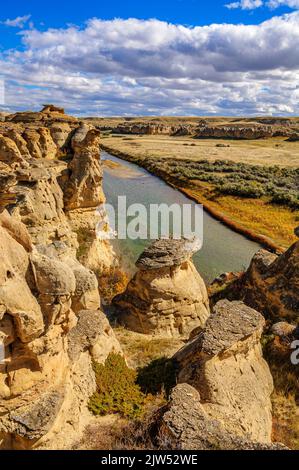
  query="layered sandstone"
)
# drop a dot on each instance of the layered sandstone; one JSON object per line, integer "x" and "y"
{"x": 51, "y": 324}
{"x": 167, "y": 296}
{"x": 224, "y": 363}
{"x": 213, "y": 128}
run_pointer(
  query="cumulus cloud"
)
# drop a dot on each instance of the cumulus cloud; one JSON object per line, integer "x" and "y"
{"x": 253, "y": 4}
{"x": 135, "y": 67}
{"x": 18, "y": 22}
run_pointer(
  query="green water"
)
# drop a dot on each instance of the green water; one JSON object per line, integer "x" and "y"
{"x": 223, "y": 250}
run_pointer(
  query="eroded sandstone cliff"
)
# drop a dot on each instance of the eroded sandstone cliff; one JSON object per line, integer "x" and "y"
{"x": 51, "y": 324}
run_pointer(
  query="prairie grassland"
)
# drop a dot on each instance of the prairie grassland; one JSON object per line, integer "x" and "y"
{"x": 275, "y": 151}
{"x": 253, "y": 216}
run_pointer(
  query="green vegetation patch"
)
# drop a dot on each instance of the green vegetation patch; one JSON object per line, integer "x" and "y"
{"x": 280, "y": 185}
{"x": 117, "y": 390}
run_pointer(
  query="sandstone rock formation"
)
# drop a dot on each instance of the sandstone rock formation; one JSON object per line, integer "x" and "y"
{"x": 234, "y": 131}
{"x": 185, "y": 425}
{"x": 271, "y": 284}
{"x": 222, "y": 128}
{"x": 167, "y": 296}
{"x": 51, "y": 325}
{"x": 83, "y": 189}
{"x": 224, "y": 363}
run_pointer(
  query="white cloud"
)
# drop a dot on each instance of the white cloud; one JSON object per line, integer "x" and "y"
{"x": 18, "y": 22}
{"x": 253, "y": 4}
{"x": 278, "y": 3}
{"x": 152, "y": 67}
{"x": 245, "y": 4}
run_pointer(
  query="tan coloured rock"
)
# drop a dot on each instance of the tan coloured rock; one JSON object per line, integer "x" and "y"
{"x": 20, "y": 142}
{"x": 7, "y": 182}
{"x": 44, "y": 389}
{"x": 271, "y": 284}
{"x": 41, "y": 206}
{"x": 16, "y": 229}
{"x": 51, "y": 108}
{"x": 47, "y": 145}
{"x": 9, "y": 152}
{"x": 40, "y": 143}
{"x": 86, "y": 295}
{"x": 93, "y": 332}
{"x": 225, "y": 364}
{"x": 60, "y": 133}
{"x": 52, "y": 276}
{"x": 167, "y": 296}
{"x": 83, "y": 189}
{"x": 185, "y": 425}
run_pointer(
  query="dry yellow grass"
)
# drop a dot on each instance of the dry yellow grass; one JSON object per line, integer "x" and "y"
{"x": 275, "y": 151}
{"x": 257, "y": 215}
{"x": 140, "y": 349}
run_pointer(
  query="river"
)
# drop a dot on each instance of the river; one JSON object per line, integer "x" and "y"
{"x": 223, "y": 249}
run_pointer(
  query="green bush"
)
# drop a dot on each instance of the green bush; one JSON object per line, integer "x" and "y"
{"x": 117, "y": 390}
{"x": 287, "y": 198}
{"x": 250, "y": 189}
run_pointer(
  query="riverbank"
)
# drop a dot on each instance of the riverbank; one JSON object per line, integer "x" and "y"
{"x": 266, "y": 224}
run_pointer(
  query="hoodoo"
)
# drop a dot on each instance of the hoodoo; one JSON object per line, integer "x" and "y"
{"x": 167, "y": 296}
{"x": 225, "y": 364}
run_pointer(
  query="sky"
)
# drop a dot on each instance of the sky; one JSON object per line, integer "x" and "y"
{"x": 129, "y": 58}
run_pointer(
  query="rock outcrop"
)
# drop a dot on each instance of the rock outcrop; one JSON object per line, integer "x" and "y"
{"x": 185, "y": 425}
{"x": 271, "y": 284}
{"x": 51, "y": 324}
{"x": 83, "y": 188}
{"x": 167, "y": 296}
{"x": 213, "y": 128}
{"x": 241, "y": 131}
{"x": 224, "y": 363}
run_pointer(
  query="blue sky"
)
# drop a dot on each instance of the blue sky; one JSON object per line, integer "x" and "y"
{"x": 115, "y": 58}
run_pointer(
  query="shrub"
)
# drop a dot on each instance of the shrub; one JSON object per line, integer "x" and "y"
{"x": 252, "y": 190}
{"x": 157, "y": 377}
{"x": 117, "y": 390}
{"x": 287, "y": 198}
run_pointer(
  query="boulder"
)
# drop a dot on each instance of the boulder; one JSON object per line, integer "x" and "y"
{"x": 167, "y": 296}
{"x": 224, "y": 363}
{"x": 185, "y": 425}
{"x": 94, "y": 333}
